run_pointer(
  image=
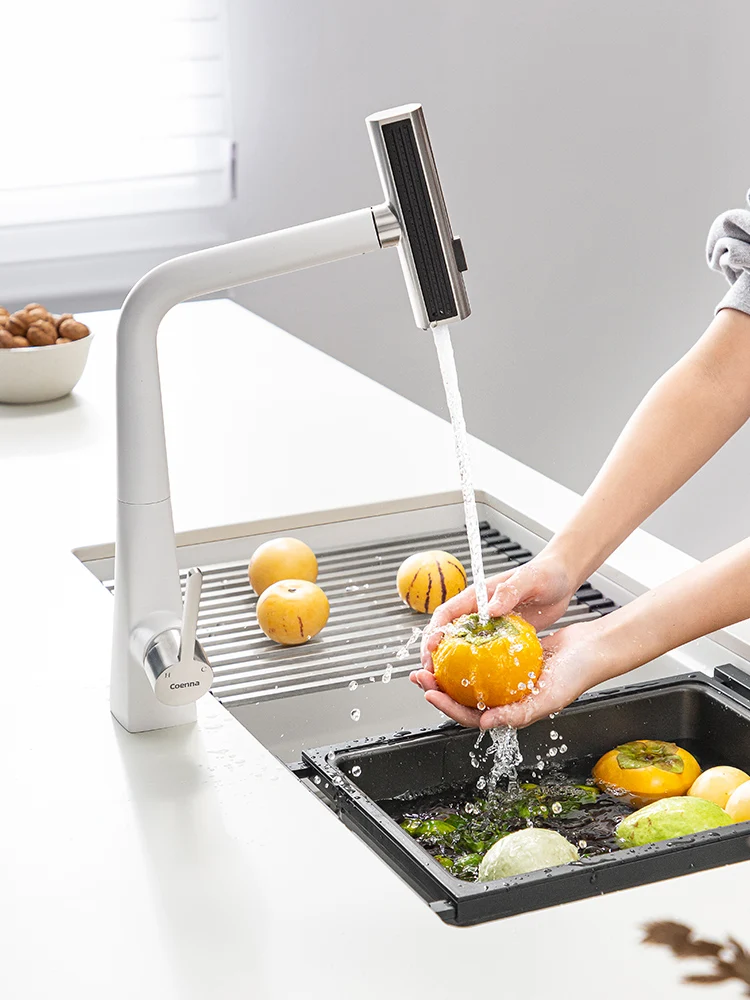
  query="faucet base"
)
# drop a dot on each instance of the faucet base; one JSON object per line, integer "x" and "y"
{"x": 146, "y": 577}
{"x": 182, "y": 716}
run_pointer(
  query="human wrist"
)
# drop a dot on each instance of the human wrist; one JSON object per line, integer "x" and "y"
{"x": 569, "y": 551}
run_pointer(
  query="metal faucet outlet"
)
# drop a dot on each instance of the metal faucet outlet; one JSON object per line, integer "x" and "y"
{"x": 159, "y": 669}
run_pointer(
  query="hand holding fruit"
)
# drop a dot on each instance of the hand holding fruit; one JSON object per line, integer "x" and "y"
{"x": 539, "y": 591}
{"x": 575, "y": 659}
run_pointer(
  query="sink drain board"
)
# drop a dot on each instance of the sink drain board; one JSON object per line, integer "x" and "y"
{"x": 368, "y": 627}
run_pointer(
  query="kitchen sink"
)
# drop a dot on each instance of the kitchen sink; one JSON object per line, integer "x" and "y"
{"x": 710, "y": 715}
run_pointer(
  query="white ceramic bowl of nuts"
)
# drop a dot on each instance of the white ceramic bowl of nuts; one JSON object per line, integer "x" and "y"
{"x": 42, "y": 355}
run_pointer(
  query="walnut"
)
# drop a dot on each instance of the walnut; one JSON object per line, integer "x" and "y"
{"x": 62, "y": 340}
{"x": 18, "y": 324}
{"x": 4, "y": 312}
{"x": 4, "y": 320}
{"x": 6, "y": 339}
{"x": 61, "y": 319}
{"x": 20, "y": 342}
{"x": 47, "y": 323}
{"x": 72, "y": 329}
{"x": 38, "y": 312}
{"x": 41, "y": 334}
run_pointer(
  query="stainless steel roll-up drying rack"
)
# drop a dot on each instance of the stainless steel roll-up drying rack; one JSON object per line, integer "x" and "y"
{"x": 368, "y": 626}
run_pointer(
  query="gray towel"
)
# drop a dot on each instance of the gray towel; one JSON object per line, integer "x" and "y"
{"x": 728, "y": 251}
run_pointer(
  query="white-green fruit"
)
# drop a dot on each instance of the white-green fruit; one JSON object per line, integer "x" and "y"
{"x": 526, "y": 851}
{"x": 677, "y": 816}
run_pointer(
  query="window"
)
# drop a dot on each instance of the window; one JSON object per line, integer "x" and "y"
{"x": 117, "y": 139}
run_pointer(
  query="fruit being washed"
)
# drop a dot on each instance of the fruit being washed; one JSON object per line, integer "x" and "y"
{"x": 668, "y": 818}
{"x": 428, "y": 579}
{"x": 643, "y": 771}
{"x": 292, "y": 611}
{"x": 483, "y": 666}
{"x": 526, "y": 851}
{"x": 281, "y": 559}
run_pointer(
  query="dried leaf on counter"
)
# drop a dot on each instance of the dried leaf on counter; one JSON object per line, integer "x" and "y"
{"x": 730, "y": 959}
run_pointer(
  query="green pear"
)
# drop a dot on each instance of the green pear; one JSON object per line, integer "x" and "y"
{"x": 677, "y": 816}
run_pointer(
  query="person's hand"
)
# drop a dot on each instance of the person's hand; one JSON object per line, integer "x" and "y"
{"x": 575, "y": 659}
{"x": 539, "y": 591}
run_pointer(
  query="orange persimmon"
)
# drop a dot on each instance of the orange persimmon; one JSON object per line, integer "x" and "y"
{"x": 643, "y": 771}
{"x": 483, "y": 666}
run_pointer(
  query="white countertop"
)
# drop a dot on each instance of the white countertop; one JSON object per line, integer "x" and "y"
{"x": 189, "y": 863}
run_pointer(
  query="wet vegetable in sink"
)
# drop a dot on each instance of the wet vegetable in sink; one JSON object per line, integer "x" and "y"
{"x": 459, "y": 826}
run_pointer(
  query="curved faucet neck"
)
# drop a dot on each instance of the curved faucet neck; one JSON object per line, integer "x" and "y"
{"x": 147, "y": 585}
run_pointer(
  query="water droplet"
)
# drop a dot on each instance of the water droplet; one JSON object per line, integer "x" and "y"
{"x": 353, "y": 686}
{"x": 356, "y": 770}
{"x": 583, "y": 843}
{"x": 552, "y": 752}
{"x": 481, "y": 706}
{"x": 553, "y": 735}
{"x": 556, "y": 808}
{"x": 522, "y": 686}
{"x": 372, "y": 678}
{"x": 316, "y": 779}
{"x": 387, "y": 673}
{"x": 465, "y": 682}
{"x": 481, "y": 782}
{"x": 355, "y": 714}
{"x": 563, "y": 747}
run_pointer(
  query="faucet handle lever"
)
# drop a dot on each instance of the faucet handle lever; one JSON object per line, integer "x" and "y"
{"x": 190, "y": 609}
{"x": 174, "y": 660}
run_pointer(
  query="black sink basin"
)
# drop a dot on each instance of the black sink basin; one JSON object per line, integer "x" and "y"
{"x": 711, "y": 715}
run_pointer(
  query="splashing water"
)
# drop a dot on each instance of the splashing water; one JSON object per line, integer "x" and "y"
{"x": 447, "y": 361}
{"x": 506, "y": 756}
{"x": 405, "y": 650}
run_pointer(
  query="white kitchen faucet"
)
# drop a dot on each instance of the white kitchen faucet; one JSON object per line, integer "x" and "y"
{"x": 159, "y": 669}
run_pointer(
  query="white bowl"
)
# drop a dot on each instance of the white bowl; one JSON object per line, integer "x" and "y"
{"x": 38, "y": 374}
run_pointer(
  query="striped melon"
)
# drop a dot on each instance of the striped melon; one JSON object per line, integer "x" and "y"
{"x": 428, "y": 579}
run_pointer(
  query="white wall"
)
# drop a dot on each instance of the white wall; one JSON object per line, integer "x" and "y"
{"x": 584, "y": 148}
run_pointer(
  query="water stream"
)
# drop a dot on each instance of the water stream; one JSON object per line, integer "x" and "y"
{"x": 447, "y": 361}
{"x": 504, "y": 749}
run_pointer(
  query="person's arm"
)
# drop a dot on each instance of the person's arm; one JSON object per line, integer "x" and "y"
{"x": 709, "y": 597}
{"x": 683, "y": 421}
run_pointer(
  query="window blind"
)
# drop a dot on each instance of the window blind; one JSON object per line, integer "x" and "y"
{"x": 112, "y": 110}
